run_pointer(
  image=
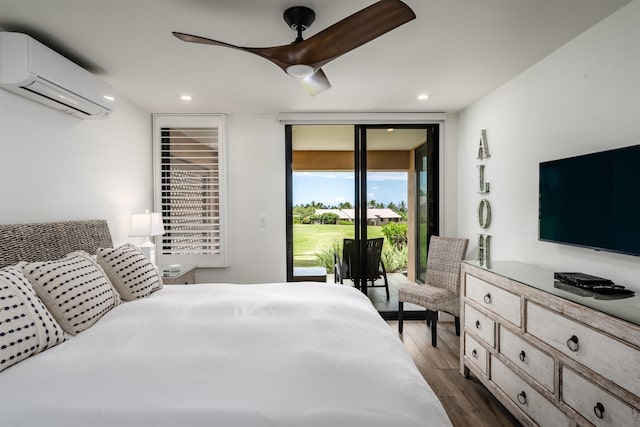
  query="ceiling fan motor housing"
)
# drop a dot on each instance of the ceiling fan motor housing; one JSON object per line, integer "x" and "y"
{"x": 299, "y": 18}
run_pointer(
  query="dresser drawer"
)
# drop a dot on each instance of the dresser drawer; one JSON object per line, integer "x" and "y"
{"x": 605, "y": 355}
{"x": 535, "y": 405}
{"x": 480, "y": 325}
{"x": 503, "y": 303}
{"x": 534, "y": 362}
{"x": 475, "y": 352}
{"x": 595, "y": 404}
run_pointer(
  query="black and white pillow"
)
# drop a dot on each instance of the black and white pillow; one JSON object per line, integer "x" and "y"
{"x": 75, "y": 290}
{"x": 130, "y": 272}
{"x": 26, "y": 326}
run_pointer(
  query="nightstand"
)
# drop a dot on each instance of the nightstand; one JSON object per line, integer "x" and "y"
{"x": 185, "y": 275}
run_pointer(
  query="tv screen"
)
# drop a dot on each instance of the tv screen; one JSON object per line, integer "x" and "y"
{"x": 592, "y": 201}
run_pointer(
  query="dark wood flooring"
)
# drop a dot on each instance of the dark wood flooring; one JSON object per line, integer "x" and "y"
{"x": 466, "y": 400}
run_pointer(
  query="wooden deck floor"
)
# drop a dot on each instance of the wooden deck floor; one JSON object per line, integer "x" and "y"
{"x": 378, "y": 295}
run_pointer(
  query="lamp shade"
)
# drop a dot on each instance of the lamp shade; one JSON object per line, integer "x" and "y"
{"x": 146, "y": 224}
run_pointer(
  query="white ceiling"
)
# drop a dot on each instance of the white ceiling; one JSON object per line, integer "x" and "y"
{"x": 456, "y": 50}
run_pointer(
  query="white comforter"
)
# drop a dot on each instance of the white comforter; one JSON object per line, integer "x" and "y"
{"x": 226, "y": 355}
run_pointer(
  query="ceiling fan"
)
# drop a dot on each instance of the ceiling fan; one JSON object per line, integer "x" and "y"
{"x": 303, "y": 59}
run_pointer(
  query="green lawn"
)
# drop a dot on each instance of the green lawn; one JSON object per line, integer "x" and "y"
{"x": 309, "y": 239}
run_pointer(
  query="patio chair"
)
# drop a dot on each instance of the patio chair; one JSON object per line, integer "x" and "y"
{"x": 376, "y": 269}
{"x": 441, "y": 292}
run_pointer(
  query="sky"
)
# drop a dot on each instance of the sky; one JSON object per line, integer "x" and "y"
{"x": 333, "y": 188}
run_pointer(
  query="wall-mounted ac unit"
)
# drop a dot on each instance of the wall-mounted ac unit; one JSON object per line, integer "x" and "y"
{"x": 30, "y": 69}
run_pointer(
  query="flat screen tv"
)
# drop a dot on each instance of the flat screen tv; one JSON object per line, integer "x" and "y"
{"x": 592, "y": 201}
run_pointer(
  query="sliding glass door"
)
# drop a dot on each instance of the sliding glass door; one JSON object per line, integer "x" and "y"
{"x": 321, "y": 197}
{"x": 426, "y": 214}
{"x": 380, "y": 164}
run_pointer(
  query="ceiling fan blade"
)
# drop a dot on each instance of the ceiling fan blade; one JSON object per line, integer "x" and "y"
{"x": 352, "y": 32}
{"x": 197, "y": 39}
{"x": 278, "y": 54}
{"x": 316, "y": 83}
{"x": 340, "y": 38}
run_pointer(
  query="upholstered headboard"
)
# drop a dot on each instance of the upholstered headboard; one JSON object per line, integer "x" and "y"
{"x": 51, "y": 240}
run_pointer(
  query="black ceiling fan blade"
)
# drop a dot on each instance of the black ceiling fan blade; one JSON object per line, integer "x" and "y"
{"x": 352, "y": 32}
{"x": 316, "y": 83}
{"x": 278, "y": 54}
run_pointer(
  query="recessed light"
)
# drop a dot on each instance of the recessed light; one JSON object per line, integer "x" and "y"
{"x": 423, "y": 96}
{"x": 108, "y": 97}
{"x": 186, "y": 97}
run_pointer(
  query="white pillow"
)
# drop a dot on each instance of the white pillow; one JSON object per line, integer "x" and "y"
{"x": 130, "y": 271}
{"x": 26, "y": 326}
{"x": 75, "y": 290}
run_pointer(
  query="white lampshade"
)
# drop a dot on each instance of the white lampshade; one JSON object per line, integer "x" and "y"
{"x": 146, "y": 224}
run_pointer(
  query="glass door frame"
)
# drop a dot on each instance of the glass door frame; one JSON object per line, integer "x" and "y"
{"x": 430, "y": 150}
{"x": 360, "y": 188}
{"x": 288, "y": 161}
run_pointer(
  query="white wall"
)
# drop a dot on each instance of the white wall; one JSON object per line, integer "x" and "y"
{"x": 585, "y": 97}
{"x": 56, "y": 167}
{"x": 256, "y": 178}
{"x": 582, "y": 98}
{"x": 448, "y": 177}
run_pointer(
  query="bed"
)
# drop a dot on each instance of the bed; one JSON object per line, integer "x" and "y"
{"x": 280, "y": 354}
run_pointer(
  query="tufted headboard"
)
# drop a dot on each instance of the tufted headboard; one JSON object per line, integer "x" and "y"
{"x": 51, "y": 240}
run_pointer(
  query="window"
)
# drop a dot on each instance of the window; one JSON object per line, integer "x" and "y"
{"x": 190, "y": 184}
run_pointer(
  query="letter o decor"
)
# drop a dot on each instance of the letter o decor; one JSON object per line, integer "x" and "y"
{"x": 484, "y": 213}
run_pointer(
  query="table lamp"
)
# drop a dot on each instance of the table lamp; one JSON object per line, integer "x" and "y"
{"x": 147, "y": 224}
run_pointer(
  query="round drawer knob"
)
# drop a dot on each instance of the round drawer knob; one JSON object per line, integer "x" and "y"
{"x": 522, "y": 356}
{"x": 599, "y": 410}
{"x": 522, "y": 397}
{"x": 572, "y": 343}
{"x": 487, "y": 298}
{"x": 474, "y": 353}
{"x": 477, "y": 324}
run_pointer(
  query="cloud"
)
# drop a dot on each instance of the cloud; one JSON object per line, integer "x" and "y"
{"x": 371, "y": 176}
{"x": 333, "y": 188}
{"x": 387, "y": 176}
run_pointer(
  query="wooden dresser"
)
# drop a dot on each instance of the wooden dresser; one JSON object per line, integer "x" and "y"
{"x": 554, "y": 355}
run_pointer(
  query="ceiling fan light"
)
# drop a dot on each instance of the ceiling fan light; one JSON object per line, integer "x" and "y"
{"x": 300, "y": 71}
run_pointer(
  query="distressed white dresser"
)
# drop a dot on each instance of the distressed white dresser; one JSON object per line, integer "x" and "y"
{"x": 553, "y": 354}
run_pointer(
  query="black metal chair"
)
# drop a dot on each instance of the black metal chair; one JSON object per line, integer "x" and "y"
{"x": 376, "y": 269}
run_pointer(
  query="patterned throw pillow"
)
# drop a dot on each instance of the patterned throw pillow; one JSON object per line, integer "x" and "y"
{"x": 130, "y": 272}
{"x": 26, "y": 326}
{"x": 74, "y": 289}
